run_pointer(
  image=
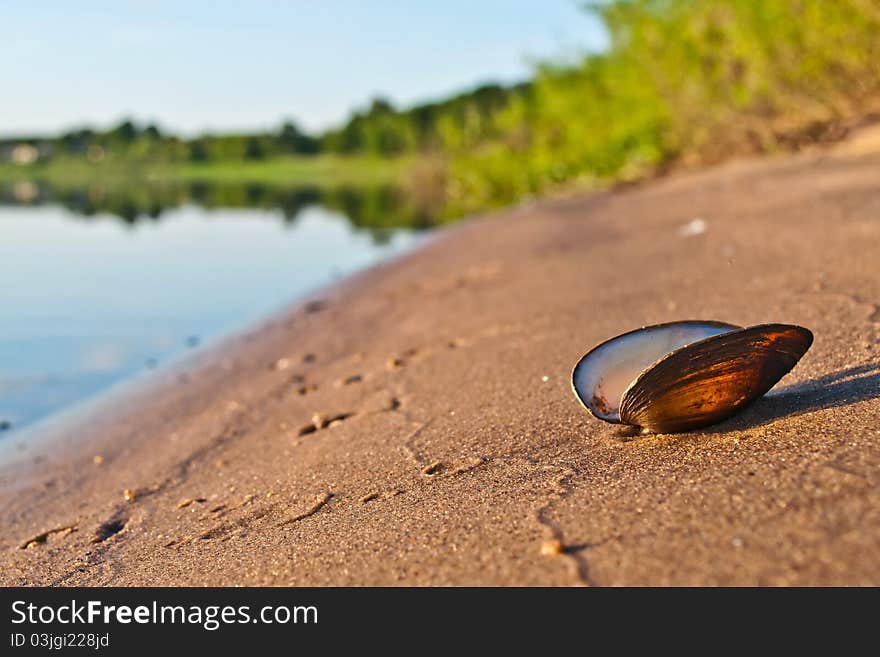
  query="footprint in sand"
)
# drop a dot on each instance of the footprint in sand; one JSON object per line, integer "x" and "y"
{"x": 354, "y": 378}
{"x": 395, "y": 362}
{"x": 43, "y": 537}
{"x": 438, "y": 468}
{"x": 110, "y": 528}
{"x": 321, "y": 421}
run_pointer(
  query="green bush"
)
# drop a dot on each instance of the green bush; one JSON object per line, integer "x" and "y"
{"x": 693, "y": 79}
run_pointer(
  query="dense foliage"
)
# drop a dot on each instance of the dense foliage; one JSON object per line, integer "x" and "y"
{"x": 691, "y": 79}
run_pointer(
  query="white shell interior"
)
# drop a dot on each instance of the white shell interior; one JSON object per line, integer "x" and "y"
{"x": 602, "y": 376}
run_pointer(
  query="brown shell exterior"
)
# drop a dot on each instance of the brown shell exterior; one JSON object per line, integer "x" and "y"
{"x": 710, "y": 380}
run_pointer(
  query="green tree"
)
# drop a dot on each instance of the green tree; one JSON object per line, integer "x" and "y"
{"x": 152, "y": 132}
{"x": 292, "y": 140}
{"x": 198, "y": 151}
{"x": 253, "y": 149}
{"x": 125, "y": 132}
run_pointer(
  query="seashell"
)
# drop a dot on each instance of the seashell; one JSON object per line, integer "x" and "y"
{"x": 685, "y": 375}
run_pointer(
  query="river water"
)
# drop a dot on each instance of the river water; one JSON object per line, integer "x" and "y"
{"x": 89, "y": 299}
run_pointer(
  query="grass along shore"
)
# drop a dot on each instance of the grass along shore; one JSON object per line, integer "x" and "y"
{"x": 287, "y": 171}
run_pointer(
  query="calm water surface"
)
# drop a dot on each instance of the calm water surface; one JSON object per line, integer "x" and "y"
{"x": 88, "y": 302}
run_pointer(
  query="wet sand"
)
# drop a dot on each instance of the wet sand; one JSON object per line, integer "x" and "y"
{"x": 416, "y": 426}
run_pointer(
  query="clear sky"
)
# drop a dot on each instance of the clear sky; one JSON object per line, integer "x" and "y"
{"x": 200, "y": 65}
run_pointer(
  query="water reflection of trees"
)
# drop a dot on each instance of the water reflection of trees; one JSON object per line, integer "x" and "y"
{"x": 378, "y": 209}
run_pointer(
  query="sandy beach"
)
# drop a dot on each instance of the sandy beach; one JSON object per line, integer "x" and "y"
{"x": 415, "y": 425}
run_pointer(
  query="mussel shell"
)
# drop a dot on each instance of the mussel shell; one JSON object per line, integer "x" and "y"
{"x": 600, "y": 378}
{"x": 709, "y": 380}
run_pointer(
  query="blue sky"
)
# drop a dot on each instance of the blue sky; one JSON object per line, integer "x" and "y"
{"x": 195, "y": 66}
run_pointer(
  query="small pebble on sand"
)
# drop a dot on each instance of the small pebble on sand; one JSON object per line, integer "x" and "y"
{"x": 694, "y": 227}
